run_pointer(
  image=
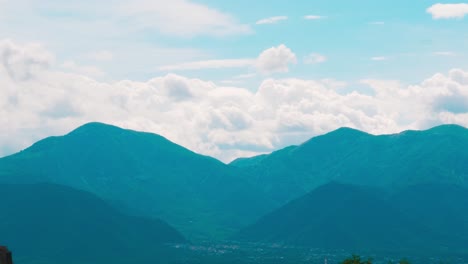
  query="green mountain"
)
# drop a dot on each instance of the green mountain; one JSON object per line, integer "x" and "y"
{"x": 393, "y": 162}
{"x": 147, "y": 175}
{"x": 443, "y": 208}
{"x": 46, "y": 223}
{"x": 144, "y": 174}
{"x": 339, "y": 216}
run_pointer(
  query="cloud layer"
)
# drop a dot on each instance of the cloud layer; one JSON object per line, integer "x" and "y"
{"x": 37, "y": 101}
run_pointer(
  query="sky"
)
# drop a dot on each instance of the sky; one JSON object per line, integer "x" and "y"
{"x": 230, "y": 78}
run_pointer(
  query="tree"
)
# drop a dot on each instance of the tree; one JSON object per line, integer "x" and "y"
{"x": 355, "y": 259}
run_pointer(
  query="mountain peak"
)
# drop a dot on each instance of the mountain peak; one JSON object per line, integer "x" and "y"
{"x": 94, "y": 127}
{"x": 448, "y": 129}
{"x": 348, "y": 131}
{"x": 343, "y": 133}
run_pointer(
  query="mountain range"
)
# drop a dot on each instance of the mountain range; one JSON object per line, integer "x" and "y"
{"x": 345, "y": 189}
{"x": 392, "y": 162}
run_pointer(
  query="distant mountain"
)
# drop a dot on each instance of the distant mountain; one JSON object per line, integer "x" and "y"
{"x": 45, "y": 223}
{"x": 393, "y": 162}
{"x": 144, "y": 174}
{"x": 339, "y": 216}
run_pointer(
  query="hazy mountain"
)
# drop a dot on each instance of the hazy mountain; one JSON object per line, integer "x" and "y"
{"x": 142, "y": 173}
{"x": 339, "y": 216}
{"x": 48, "y": 223}
{"x": 438, "y": 155}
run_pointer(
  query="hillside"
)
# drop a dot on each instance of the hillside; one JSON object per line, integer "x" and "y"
{"x": 441, "y": 207}
{"x": 144, "y": 174}
{"x": 438, "y": 156}
{"x": 53, "y": 223}
{"x": 338, "y": 216}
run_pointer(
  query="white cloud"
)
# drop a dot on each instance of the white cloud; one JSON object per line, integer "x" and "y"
{"x": 225, "y": 122}
{"x": 377, "y": 23}
{"x": 447, "y": 11}
{"x": 276, "y": 59}
{"x": 23, "y": 63}
{"x": 271, "y": 20}
{"x": 209, "y": 64}
{"x": 272, "y": 60}
{"x": 314, "y": 17}
{"x": 314, "y": 58}
{"x": 182, "y": 18}
{"x": 379, "y": 58}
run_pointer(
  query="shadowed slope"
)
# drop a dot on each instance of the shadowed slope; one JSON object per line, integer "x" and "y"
{"x": 338, "y": 216}
{"x": 52, "y": 222}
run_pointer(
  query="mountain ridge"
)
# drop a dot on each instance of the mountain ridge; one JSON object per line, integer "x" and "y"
{"x": 144, "y": 173}
{"x": 350, "y": 156}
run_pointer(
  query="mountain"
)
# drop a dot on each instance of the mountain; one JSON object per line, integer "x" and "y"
{"x": 441, "y": 207}
{"x": 393, "y": 162}
{"x": 144, "y": 174}
{"x": 46, "y": 223}
{"x": 339, "y": 216}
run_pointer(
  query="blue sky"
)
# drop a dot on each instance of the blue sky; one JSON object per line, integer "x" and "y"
{"x": 335, "y": 63}
{"x": 349, "y": 35}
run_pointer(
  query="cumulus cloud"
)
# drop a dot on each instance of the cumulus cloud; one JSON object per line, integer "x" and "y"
{"x": 23, "y": 63}
{"x": 225, "y": 122}
{"x": 276, "y": 59}
{"x": 271, "y": 20}
{"x": 448, "y": 11}
{"x": 315, "y": 58}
